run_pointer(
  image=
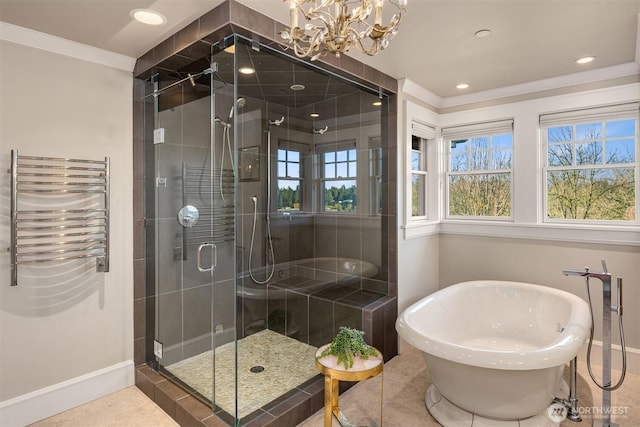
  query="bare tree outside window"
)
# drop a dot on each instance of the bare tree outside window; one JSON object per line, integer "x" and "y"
{"x": 591, "y": 171}
{"x": 479, "y": 176}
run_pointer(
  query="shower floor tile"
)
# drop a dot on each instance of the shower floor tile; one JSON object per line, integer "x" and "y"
{"x": 287, "y": 363}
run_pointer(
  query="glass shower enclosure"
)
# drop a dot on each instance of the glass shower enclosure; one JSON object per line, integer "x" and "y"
{"x": 267, "y": 209}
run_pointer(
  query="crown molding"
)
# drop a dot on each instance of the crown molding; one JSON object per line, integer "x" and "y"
{"x": 409, "y": 86}
{"x": 27, "y": 37}
{"x": 583, "y": 77}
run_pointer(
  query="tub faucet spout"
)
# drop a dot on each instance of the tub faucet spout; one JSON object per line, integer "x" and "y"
{"x": 571, "y": 272}
{"x": 605, "y": 276}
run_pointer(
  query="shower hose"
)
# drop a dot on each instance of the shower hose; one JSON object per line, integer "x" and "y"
{"x": 605, "y": 387}
{"x": 269, "y": 239}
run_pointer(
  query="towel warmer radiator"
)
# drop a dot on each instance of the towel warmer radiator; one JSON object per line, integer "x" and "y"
{"x": 201, "y": 194}
{"x": 59, "y": 211}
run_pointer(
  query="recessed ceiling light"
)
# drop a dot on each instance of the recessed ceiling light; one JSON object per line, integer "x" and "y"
{"x": 584, "y": 60}
{"x": 297, "y": 87}
{"x": 148, "y": 16}
{"x": 314, "y": 115}
{"x": 482, "y": 33}
{"x": 462, "y": 86}
{"x": 246, "y": 70}
{"x": 377, "y": 103}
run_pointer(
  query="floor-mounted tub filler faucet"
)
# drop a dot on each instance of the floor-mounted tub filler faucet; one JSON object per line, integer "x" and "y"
{"x": 607, "y": 308}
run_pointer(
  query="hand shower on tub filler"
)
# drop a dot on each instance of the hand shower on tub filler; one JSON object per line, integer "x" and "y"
{"x": 607, "y": 308}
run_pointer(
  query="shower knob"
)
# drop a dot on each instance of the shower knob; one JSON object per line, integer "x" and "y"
{"x": 188, "y": 216}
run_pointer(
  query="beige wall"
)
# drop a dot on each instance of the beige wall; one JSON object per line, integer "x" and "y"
{"x": 59, "y": 324}
{"x": 541, "y": 262}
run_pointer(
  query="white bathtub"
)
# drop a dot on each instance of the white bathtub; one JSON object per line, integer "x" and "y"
{"x": 497, "y": 349}
{"x": 306, "y": 276}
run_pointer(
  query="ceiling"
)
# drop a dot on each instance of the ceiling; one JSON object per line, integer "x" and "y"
{"x": 435, "y": 47}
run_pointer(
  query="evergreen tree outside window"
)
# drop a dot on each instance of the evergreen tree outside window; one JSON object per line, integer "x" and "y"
{"x": 290, "y": 181}
{"x": 339, "y": 185}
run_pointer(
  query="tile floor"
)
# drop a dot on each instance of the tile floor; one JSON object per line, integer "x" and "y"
{"x": 126, "y": 408}
{"x": 405, "y": 379}
{"x": 266, "y": 349}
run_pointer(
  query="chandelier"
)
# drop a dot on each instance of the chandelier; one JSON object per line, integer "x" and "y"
{"x": 332, "y": 27}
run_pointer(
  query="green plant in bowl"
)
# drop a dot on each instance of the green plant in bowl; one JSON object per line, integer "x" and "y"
{"x": 347, "y": 345}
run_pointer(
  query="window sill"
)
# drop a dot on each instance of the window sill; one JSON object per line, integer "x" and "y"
{"x": 420, "y": 229}
{"x": 330, "y": 219}
{"x": 609, "y": 235}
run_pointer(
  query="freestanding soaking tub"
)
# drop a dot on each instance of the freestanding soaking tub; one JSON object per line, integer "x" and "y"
{"x": 495, "y": 349}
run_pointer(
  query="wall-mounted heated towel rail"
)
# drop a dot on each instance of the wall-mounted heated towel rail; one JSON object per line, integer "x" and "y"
{"x": 203, "y": 188}
{"x": 59, "y": 211}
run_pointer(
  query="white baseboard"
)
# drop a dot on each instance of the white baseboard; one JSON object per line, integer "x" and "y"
{"x": 52, "y": 400}
{"x": 633, "y": 357}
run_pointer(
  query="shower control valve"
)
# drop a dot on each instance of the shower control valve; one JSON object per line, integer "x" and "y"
{"x": 188, "y": 216}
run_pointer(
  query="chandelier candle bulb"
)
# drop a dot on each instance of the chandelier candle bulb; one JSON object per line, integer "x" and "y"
{"x": 293, "y": 11}
{"x": 378, "y": 12}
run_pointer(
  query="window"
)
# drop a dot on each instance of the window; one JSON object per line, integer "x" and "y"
{"x": 375, "y": 176}
{"x": 591, "y": 169}
{"x": 479, "y": 172}
{"x": 289, "y": 180}
{"x": 339, "y": 172}
{"x": 418, "y": 177}
{"x": 421, "y": 192}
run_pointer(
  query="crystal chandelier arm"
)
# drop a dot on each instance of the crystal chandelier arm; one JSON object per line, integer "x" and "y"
{"x": 332, "y": 27}
{"x": 318, "y": 14}
{"x": 372, "y": 49}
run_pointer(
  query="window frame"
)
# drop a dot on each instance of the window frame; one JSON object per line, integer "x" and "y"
{"x": 303, "y": 150}
{"x": 478, "y": 130}
{"x": 419, "y": 121}
{"x": 375, "y": 175}
{"x": 574, "y": 118}
{"x": 321, "y": 151}
{"x": 423, "y": 171}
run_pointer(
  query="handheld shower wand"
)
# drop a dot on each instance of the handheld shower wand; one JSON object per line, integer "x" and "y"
{"x": 240, "y": 103}
{"x": 226, "y": 139}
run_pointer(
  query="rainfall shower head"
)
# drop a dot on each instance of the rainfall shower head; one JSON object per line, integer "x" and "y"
{"x": 240, "y": 102}
{"x": 321, "y": 131}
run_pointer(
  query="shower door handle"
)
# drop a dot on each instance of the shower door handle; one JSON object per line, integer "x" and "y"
{"x": 199, "y": 257}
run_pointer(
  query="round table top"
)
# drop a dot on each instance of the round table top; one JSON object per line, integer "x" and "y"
{"x": 361, "y": 369}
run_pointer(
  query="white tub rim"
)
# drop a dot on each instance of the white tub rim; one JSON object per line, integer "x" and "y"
{"x": 560, "y": 351}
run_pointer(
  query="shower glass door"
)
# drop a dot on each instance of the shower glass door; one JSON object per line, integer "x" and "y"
{"x": 195, "y": 239}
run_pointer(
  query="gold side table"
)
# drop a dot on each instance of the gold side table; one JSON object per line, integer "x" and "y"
{"x": 334, "y": 373}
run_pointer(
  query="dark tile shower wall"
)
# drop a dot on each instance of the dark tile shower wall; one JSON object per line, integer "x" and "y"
{"x": 376, "y": 319}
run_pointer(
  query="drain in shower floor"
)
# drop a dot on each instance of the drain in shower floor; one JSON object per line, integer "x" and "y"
{"x": 257, "y": 369}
